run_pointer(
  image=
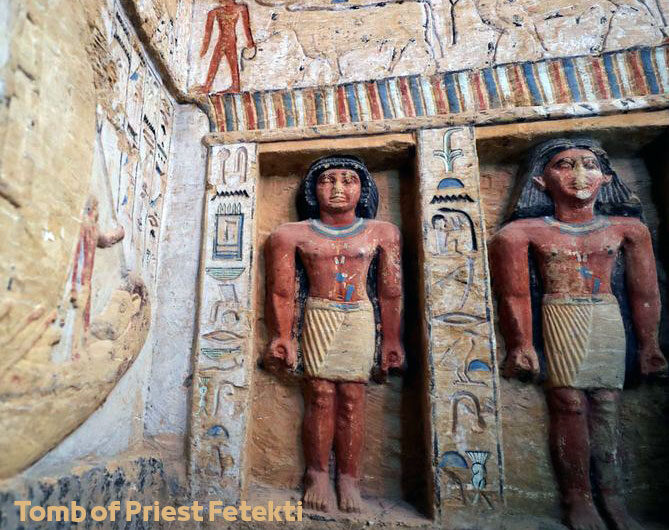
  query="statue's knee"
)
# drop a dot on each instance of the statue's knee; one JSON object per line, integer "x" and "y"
{"x": 350, "y": 401}
{"x": 568, "y": 401}
{"x": 322, "y": 396}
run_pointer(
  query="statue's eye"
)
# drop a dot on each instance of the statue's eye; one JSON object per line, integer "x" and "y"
{"x": 565, "y": 164}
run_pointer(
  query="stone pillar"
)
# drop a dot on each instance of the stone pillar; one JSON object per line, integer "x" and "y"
{"x": 463, "y": 377}
{"x": 223, "y": 345}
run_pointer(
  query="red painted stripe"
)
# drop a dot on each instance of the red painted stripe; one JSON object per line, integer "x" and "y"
{"x": 219, "y": 112}
{"x": 439, "y": 98}
{"x": 278, "y": 108}
{"x": 522, "y": 98}
{"x": 559, "y": 82}
{"x": 483, "y": 103}
{"x": 309, "y": 98}
{"x": 409, "y": 111}
{"x": 249, "y": 107}
{"x": 374, "y": 104}
{"x": 341, "y": 105}
{"x": 600, "y": 84}
{"x": 638, "y": 80}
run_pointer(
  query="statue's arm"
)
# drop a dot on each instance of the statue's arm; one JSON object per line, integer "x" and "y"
{"x": 644, "y": 296}
{"x": 110, "y": 238}
{"x": 280, "y": 297}
{"x": 247, "y": 27}
{"x": 389, "y": 289}
{"x": 508, "y": 252}
{"x": 209, "y": 26}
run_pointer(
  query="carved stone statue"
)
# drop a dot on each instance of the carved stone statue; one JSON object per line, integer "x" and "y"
{"x": 336, "y": 243}
{"x": 574, "y": 218}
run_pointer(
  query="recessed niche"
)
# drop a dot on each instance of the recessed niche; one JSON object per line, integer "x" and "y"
{"x": 395, "y": 481}
{"x": 637, "y": 146}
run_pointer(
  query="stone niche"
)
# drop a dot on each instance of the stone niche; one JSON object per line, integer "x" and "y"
{"x": 637, "y": 147}
{"x": 396, "y": 471}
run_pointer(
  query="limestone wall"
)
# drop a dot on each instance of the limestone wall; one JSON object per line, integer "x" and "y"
{"x": 87, "y": 127}
{"x": 137, "y": 173}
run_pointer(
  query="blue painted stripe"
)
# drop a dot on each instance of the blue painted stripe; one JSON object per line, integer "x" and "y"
{"x": 531, "y": 81}
{"x": 385, "y": 99}
{"x": 415, "y": 96}
{"x": 229, "y": 112}
{"x": 572, "y": 81}
{"x": 451, "y": 93}
{"x": 320, "y": 108}
{"x": 611, "y": 75}
{"x": 352, "y": 103}
{"x": 260, "y": 112}
{"x": 288, "y": 109}
{"x": 648, "y": 70}
{"x": 491, "y": 87}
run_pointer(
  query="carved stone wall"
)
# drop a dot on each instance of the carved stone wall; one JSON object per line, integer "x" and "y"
{"x": 317, "y": 42}
{"x": 88, "y": 129}
{"x": 225, "y": 325}
{"x": 467, "y": 463}
{"x": 101, "y": 99}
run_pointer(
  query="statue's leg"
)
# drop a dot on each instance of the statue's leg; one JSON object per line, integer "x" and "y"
{"x": 348, "y": 443}
{"x": 317, "y": 435}
{"x": 233, "y": 62}
{"x": 570, "y": 450}
{"x": 213, "y": 66}
{"x": 606, "y": 461}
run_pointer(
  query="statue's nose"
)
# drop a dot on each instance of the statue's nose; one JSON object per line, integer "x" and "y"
{"x": 581, "y": 181}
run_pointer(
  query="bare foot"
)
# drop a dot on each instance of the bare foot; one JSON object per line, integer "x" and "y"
{"x": 349, "y": 494}
{"x": 581, "y": 514}
{"x": 617, "y": 514}
{"x": 317, "y": 490}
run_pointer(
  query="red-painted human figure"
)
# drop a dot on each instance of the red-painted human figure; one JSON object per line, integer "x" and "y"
{"x": 575, "y": 216}
{"x": 226, "y": 17}
{"x": 90, "y": 239}
{"x": 336, "y": 244}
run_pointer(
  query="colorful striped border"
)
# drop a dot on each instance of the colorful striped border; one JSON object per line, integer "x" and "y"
{"x": 616, "y": 75}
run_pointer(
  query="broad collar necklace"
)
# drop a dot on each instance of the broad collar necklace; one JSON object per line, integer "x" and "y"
{"x": 596, "y": 223}
{"x": 336, "y": 232}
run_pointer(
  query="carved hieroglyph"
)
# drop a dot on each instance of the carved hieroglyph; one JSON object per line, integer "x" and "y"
{"x": 223, "y": 348}
{"x": 463, "y": 369}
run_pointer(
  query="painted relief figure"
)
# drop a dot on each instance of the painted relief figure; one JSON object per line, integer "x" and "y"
{"x": 575, "y": 217}
{"x": 336, "y": 242}
{"x": 90, "y": 239}
{"x": 226, "y": 17}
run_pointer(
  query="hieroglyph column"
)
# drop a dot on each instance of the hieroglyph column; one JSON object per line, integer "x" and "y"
{"x": 463, "y": 373}
{"x": 222, "y": 350}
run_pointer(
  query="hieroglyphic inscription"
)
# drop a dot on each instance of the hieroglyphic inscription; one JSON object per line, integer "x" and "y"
{"x": 463, "y": 368}
{"x": 225, "y": 329}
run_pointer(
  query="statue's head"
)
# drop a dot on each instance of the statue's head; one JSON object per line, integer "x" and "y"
{"x": 576, "y": 171}
{"x": 337, "y": 183}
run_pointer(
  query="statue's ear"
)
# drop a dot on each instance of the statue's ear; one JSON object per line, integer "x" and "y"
{"x": 607, "y": 178}
{"x": 539, "y": 182}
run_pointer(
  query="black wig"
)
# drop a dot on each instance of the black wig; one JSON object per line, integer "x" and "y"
{"x": 614, "y": 197}
{"x": 307, "y": 203}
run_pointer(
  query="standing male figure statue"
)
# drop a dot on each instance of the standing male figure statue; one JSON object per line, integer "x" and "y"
{"x": 336, "y": 242}
{"x": 575, "y": 216}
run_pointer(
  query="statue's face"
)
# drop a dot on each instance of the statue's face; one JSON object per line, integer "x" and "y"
{"x": 338, "y": 190}
{"x": 573, "y": 175}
